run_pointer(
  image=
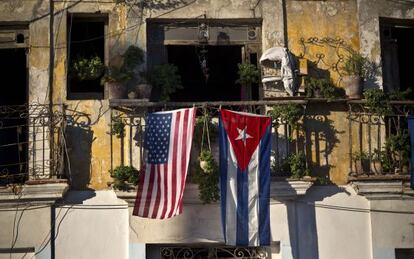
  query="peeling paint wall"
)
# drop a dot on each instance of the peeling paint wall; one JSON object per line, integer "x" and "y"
{"x": 369, "y": 14}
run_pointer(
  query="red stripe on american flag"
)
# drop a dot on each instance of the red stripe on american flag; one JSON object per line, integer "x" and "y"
{"x": 183, "y": 161}
{"x": 174, "y": 166}
{"x": 157, "y": 199}
{"x": 147, "y": 200}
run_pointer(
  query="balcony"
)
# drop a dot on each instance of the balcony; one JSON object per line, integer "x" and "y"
{"x": 31, "y": 153}
{"x": 336, "y": 142}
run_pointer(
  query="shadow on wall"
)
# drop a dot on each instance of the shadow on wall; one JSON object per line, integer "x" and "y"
{"x": 322, "y": 138}
{"x": 79, "y": 141}
{"x": 301, "y": 217}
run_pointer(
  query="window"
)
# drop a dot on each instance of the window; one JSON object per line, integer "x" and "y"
{"x": 86, "y": 49}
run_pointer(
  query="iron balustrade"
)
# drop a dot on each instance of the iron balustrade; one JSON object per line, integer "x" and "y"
{"x": 31, "y": 143}
{"x": 379, "y": 143}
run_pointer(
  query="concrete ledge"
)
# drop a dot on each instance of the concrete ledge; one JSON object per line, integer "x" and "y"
{"x": 46, "y": 193}
{"x": 383, "y": 189}
{"x": 279, "y": 190}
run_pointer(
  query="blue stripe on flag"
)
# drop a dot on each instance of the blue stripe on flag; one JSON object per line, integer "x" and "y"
{"x": 223, "y": 175}
{"x": 264, "y": 188}
{"x": 242, "y": 208}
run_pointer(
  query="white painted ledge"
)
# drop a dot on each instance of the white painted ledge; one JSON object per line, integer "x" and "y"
{"x": 374, "y": 190}
{"x": 279, "y": 190}
{"x": 36, "y": 194}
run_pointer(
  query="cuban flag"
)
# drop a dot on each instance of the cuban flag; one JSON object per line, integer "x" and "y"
{"x": 245, "y": 143}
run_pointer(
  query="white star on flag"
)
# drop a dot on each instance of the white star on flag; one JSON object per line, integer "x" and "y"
{"x": 243, "y": 135}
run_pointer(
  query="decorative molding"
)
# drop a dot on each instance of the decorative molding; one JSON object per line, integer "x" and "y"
{"x": 279, "y": 190}
{"x": 375, "y": 190}
{"x": 34, "y": 194}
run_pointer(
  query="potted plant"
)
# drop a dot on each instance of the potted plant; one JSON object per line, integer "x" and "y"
{"x": 297, "y": 165}
{"x": 287, "y": 113}
{"x": 87, "y": 68}
{"x": 248, "y": 75}
{"x": 165, "y": 79}
{"x": 118, "y": 76}
{"x": 207, "y": 177}
{"x": 118, "y": 128}
{"x": 355, "y": 70}
{"x": 377, "y": 102}
{"x": 320, "y": 88}
{"x": 125, "y": 177}
{"x": 361, "y": 162}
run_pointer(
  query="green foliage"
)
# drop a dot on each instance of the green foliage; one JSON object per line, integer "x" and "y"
{"x": 118, "y": 127}
{"x": 377, "y": 101}
{"x": 297, "y": 164}
{"x": 359, "y": 156}
{"x": 399, "y": 95}
{"x": 115, "y": 74}
{"x": 88, "y": 68}
{"x": 133, "y": 57}
{"x": 166, "y": 79}
{"x": 287, "y": 113}
{"x": 398, "y": 145}
{"x": 355, "y": 64}
{"x": 198, "y": 130}
{"x": 387, "y": 163}
{"x": 124, "y": 175}
{"x": 208, "y": 178}
{"x": 320, "y": 87}
{"x": 248, "y": 74}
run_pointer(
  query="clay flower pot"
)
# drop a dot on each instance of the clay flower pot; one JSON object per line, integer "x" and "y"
{"x": 353, "y": 86}
{"x": 117, "y": 90}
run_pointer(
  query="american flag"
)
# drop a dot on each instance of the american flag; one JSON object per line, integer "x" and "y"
{"x": 168, "y": 138}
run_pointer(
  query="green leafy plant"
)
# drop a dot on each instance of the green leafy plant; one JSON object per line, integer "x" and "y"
{"x": 287, "y": 113}
{"x": 116, "y": 75}
{"x": 399, "y": 95}
{"x": 398, "y": 146}
{"x": 118, "y": 128}
{"x": 198, "y": 129}
{"x": 248, "y": 74}
{"x": 361, "y": 161}
{"x": 166, "y": 79}
{"x": 377, "y": 101}
{"x": 355, "y": 64}
{"x": 133, "y": 57}
{"x": 87, "y": 68}
{"x": 358, "y": 156}
{"x": 385, "y": 159}
{"x": 320, "y": 87}
{"x": 123, "y": 176}
{"x": 297, "y": 164}
{"x": 207, "y": 178}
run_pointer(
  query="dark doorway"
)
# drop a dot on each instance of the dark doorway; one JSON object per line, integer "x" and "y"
{"x": 220, "y": 85}
{"x": 13, "y": 124}
{"x": 397, "y": 54}
{"x": 85, "y": 41}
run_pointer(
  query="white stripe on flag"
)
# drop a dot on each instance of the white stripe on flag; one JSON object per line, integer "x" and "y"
{"x": 231, "y": 197}
{"x": 144, "y": 191}
{"x": 154, "y": 191}
{"x": 178, "y": 162}
{"x": 168, "y": 174}
{"x": 253, "y": 198}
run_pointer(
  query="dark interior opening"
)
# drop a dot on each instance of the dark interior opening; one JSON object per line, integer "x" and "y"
{"x": 397, "y": 54}
{"x": 222, "y": 72}
{"x": 13, "y": 128}
{"x": 86, "y": 40}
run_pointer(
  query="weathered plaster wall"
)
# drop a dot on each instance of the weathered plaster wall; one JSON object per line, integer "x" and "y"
{"x": 337, "y": 20}
{"x": 319, "y": 225}
{"x": 26, "y": 227}
{"x": 369, "y": 12}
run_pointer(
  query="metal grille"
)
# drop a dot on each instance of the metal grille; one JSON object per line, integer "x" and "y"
{"x": 213, "y": 252}
{"x": 31, "y": 143}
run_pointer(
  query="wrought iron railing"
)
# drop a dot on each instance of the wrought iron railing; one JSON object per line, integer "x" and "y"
{"x": 379, "y": 143}
{"x": 31, "y": 143}
{"x": 171, "y": 252}
{"x": 289, "y": 139}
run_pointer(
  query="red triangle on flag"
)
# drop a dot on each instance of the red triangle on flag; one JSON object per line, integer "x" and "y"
{"x": 244, "y": 131}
